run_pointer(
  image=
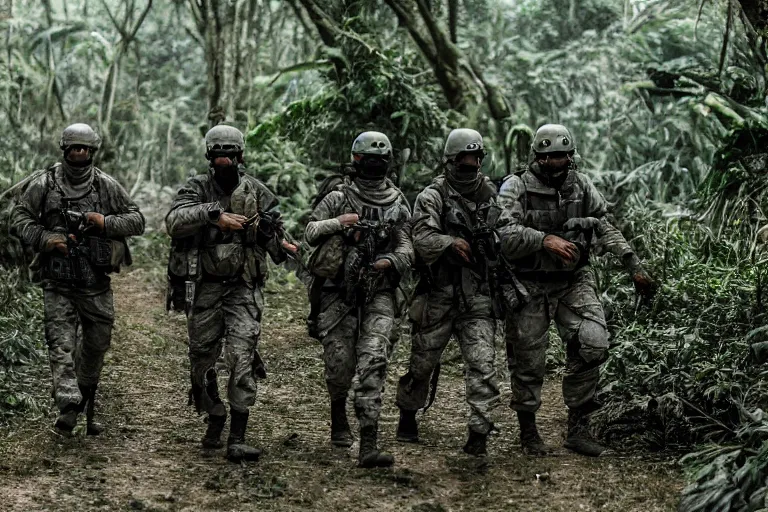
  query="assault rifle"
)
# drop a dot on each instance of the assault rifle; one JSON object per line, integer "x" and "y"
{"x": 77, "y": 225}
{"x": 361, "y": 280}
{"x": 482, "y": 240}
{"x": 84, "y": 252}
{"x": 270, "y": 226}
{"x": 487, "y": 259}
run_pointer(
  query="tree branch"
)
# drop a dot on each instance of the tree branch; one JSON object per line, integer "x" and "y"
{"x": 405, "y": 19}
{"x": 120, "y": 28}
{"x": 140, "y": 21}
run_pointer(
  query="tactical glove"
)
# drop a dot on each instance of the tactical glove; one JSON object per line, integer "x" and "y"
{"x": 645, "y": 286}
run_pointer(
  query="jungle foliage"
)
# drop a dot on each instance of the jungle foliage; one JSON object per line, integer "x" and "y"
{"x": 667, "y": 100}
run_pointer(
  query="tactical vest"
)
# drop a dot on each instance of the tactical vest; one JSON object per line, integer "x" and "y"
{"x": 546, "y": 209}
{"x": 459, "y": 218}
{"x": 212, "y": 255}
{"x": 92, "y": 256}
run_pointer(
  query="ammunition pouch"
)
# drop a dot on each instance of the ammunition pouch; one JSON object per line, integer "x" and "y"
{"x": 183, "y": 275}
{"x": 100, "y": 253}
{"x": 72, "y": 270}
{"x": 327, "y": 259}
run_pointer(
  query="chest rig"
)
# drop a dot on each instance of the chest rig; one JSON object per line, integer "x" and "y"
{"x": 547, "y": 209}
{"x": 89, "y": 256}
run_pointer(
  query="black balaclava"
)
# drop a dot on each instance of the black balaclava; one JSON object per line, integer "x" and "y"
{"x": 466, "y": 179}
{"x": 226, "y": 176}
{"x": 551, "y": 175}
{"x": 371, "y": 168}
{"x": 78, "y": 172}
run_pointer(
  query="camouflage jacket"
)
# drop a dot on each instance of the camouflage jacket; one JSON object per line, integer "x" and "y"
{"x": 224, "y": 255}
{"x": 537, "y": 211}
{"x": 323, "y": 228}
{"x": 441, "y": 215}
{"x": 38, "y": 216}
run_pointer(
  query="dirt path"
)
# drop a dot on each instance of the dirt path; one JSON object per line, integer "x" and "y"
{"x": 149, "y": 458}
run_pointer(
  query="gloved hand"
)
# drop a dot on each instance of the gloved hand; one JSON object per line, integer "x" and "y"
{"x": 58, "y": 242}
{"x": 645, "y": 286}
{"x": 96, "y": 219}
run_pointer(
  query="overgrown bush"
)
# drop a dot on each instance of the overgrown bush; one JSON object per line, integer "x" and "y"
{"x": 21, "y": 344}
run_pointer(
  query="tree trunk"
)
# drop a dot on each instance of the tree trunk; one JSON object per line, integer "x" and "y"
{"x": 127, "y": 29}
{"x": 754, "y": 15}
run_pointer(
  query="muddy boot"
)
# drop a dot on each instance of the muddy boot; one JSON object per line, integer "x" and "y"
{"x": 407, "y": 427}
{"x": 370, "y": 456}
{"x": 212, "y": 439}
{"x": 530, "y": 440}
{"x": 579, "y": 439}
{"x": 476, "y": 444}
{"x": 237, "y": 450}
{"x": 88, "y": 405}
{"x": 340, "y": 433}
{"x": 67, "y": 419}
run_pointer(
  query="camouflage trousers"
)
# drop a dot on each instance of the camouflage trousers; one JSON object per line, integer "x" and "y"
{"x": 436, "y": 319}
{"x": 578, "y": 315}
{"x": 231, "y": 310}
{"x": 76, "y": 359}
{"x": 356, "y": 352}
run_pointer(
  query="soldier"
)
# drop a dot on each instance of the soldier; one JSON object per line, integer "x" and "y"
{"x": 455, "y": 297}
{"x": 557, "y": 216}
{"x": 224, "y": 215}
{"x": 362, "y": 234}
{"x": 77, "y": 218}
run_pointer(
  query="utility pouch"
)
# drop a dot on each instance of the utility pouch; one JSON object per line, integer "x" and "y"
{"x": 100, "y": 252}
{"x": 73, "y": 270}
{"x": 327, "y": 260}
{"x": 183, "y": 273}
{"x": 59, "y": 269}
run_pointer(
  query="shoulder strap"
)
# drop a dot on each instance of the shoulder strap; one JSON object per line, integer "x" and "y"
{"x": 50, "y": 184}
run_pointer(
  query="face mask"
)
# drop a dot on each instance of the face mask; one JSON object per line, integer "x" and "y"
{"x": 466, "y": 172}
{"x": 227, "y": 176}
{"x": 551, "y": 176}
{"x": 372, "y": 168}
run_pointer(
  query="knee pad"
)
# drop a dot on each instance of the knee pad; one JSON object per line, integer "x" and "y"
{"x": 593, "y": 342}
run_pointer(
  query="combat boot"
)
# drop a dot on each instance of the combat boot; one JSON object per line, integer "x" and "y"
{"x": 407, "y": 427}
{"x": 88, "y": 405}
{"x": 237, "y": 450}
{"x": 370, "y": 456}
{"x": 212, "y": 439}
{"x": 340, "y": 432}
{"x": 579, "y": 439}
{"x": 67, "y": 419}
{"x": 530, "y": 440}
{"x": 476, "y": 444}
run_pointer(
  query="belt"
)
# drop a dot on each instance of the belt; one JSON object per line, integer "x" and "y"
{"x": 209, "y": 278}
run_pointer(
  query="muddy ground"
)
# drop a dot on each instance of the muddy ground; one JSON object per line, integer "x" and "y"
{"x": 149, "y": 458}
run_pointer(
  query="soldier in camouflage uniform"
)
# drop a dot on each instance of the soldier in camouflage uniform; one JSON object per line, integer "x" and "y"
{"x": 354, "y": 329}
{"x": 458, "y": 299}
{"x": 213, "y": 209}
{"x": 557, "y": 217}
{"x": 76, "y": 218}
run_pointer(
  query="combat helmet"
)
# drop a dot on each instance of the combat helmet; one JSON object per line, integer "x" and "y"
{"x": 223, "y": 138}
{"x": 79, "y": 134}
{"x": 372, "y": 143}
{"x": 462, "y": 140}
{"x": 552, "y": 138}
